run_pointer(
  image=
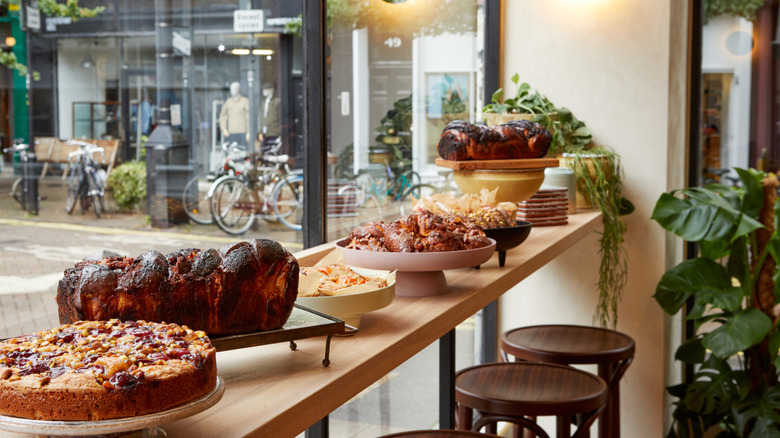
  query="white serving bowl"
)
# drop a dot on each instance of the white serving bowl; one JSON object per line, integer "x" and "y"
{"x": 351, "y": 307}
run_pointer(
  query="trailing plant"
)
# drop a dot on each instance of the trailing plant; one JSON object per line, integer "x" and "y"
{"x": 600, "y": 180}
{"x": 746, "y": 9}
{"x": 127, "y": 182}
{"x": 732, "y": 286}
{"x": 69, "y": 9}
{"x": 573, "y": 138}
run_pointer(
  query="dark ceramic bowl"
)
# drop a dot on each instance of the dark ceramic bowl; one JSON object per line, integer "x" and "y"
{"x": 508, "y": 238}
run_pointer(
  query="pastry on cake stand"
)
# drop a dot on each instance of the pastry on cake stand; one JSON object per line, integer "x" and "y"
{"x": 418, "y": 274}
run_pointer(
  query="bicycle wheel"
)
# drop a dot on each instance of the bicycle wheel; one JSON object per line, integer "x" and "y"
{"x": 232, "y": 206}
{"x": 94, "y": 195}
{"x": 196, "y": 202}
{"x": 288, "y": 202}
{"x": 16, "y": 193}
{"x": 417, "y": 192}
{"x": 370, "y": 210}
{"x": 74, "y": 183}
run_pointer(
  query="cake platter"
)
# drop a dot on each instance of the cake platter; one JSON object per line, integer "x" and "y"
{"x": 144, "y": 425}
{"x": 418, "y": 274}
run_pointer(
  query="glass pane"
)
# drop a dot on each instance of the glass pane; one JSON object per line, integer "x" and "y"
{"x": 398, "y": 73}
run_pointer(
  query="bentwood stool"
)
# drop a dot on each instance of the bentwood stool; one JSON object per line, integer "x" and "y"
{"x": 518, "y": 392}
{"x": 612, "y": 351}
{"x": 444, "y": 433}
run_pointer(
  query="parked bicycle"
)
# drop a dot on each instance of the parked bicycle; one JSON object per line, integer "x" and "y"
{"x": 17, "y": 187}
{"x": 269, "y": 190}
{"x": 444, "y": 184}
{"x": 87, "y": 179}
{"x": 195, "y": 197}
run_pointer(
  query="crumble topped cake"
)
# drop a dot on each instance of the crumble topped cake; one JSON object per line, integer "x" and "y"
{"x": 94, "y": 370}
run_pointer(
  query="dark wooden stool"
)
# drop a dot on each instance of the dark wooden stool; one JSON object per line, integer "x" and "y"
{"x": 513, "y": 391}
{"x": 445, "y": 433}
{"x": 612, "y": 351}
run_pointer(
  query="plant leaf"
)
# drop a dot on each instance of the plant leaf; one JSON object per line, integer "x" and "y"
{"x": 688, "y": 278}
{"x": 703, "y": 215}
{"x": 738, "y": 333}
{"x": 691, "y": 351}
{"x": 754, "y": 193}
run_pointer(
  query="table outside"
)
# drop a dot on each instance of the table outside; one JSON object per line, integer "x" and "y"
{"x": 275, "y": 392}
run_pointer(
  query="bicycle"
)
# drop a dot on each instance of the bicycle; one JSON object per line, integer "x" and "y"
{"x": 17, "y": 187}
{"x": 194, "y": 198}
{"x": 271, "y": 191}
{"x": 87, "y": 180}
{"x": 445, "y": 184}
{"x": 367, "y": 196}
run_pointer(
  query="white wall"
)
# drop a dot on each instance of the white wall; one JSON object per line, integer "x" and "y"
{"x": 611, "y": 63}
{"x": 78, "y": 84}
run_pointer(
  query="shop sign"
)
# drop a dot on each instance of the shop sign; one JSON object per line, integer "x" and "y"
{"x": 248, "y": 20}
{"x": 182, "y": 42}
{"x": 33, "y": 18}
{"x": 175, "y": 114}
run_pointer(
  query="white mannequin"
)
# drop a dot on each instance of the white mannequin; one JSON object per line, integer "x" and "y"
{"x": 270, "y": 113}
{"x": 234, "y": 117}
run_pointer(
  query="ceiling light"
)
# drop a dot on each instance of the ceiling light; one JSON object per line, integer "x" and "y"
{"x": 262, "y": 52}
{"x": 240, "y": 51}
{"x": 268, "y": 57}
{"x": 87, "y": 62}
{"x": 221, "y": 47}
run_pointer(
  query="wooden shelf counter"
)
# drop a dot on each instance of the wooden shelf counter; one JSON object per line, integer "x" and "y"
{"x": 272, "y": 391}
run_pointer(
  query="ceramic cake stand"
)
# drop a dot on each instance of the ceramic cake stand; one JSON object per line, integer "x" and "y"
{"x": 143, "y": 426}
{"x": 418, "y": 274}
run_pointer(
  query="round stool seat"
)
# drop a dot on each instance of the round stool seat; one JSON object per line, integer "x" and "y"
{"x": 567, "y": 344}
{"x": 610, "y": 350}
{"x": 440, "y": 434}
{"x": 529, "y": 389}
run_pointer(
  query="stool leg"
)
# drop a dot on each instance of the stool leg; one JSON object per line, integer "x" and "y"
{"x": 609, "y": 422}
{"x": 465, "y": 418}
{"x": 563, "y": 426}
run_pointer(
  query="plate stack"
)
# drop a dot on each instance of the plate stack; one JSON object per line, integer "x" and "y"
{"x": 549, "y": 206}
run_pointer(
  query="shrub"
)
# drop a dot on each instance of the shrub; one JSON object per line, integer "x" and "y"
{"x": 128, "y": 184}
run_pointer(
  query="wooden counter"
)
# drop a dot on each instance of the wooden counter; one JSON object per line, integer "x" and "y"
{"x": 273, "y": 391}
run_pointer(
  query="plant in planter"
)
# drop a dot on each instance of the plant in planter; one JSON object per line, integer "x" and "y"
{"x": 600, "y": 183}
{"x": 527, "y": 104}
{"x": 127, "y": 183}
{"x": 731, "y": 289}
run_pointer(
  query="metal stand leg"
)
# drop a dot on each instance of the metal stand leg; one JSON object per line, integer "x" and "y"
{"x": 318, "y": 429}
{"x": 447, "y": 380}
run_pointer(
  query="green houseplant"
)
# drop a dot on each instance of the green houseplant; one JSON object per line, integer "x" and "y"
{"x": 731, "y": 286}
{"x": 127, "y": 183}
{"x": 599, "y": 183}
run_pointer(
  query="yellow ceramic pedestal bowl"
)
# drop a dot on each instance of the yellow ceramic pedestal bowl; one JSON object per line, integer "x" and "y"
{"x": 514, "y": 185}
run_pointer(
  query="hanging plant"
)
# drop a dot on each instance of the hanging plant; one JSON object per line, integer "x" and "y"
{"x": 746, "y": 9}
{"x": 600, "y": 180}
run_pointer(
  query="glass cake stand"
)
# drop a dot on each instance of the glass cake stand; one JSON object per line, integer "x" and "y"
{"x": 418, "y": 274}
{"x": 144, "y": 426}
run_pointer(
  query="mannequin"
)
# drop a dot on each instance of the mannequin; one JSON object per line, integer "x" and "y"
{"x": 269, "y": 116}
{"x": 234, "y": 117}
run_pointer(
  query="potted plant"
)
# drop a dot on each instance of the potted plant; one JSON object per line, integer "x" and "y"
{"x": 731, "y": 292}
{"x": 527, "y": 104}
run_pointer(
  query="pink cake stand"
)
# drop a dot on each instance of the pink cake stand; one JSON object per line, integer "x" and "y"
{"x": 418, "y": 274}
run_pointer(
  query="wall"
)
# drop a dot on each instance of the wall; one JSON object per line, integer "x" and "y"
{"x": 620, "y": 66}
